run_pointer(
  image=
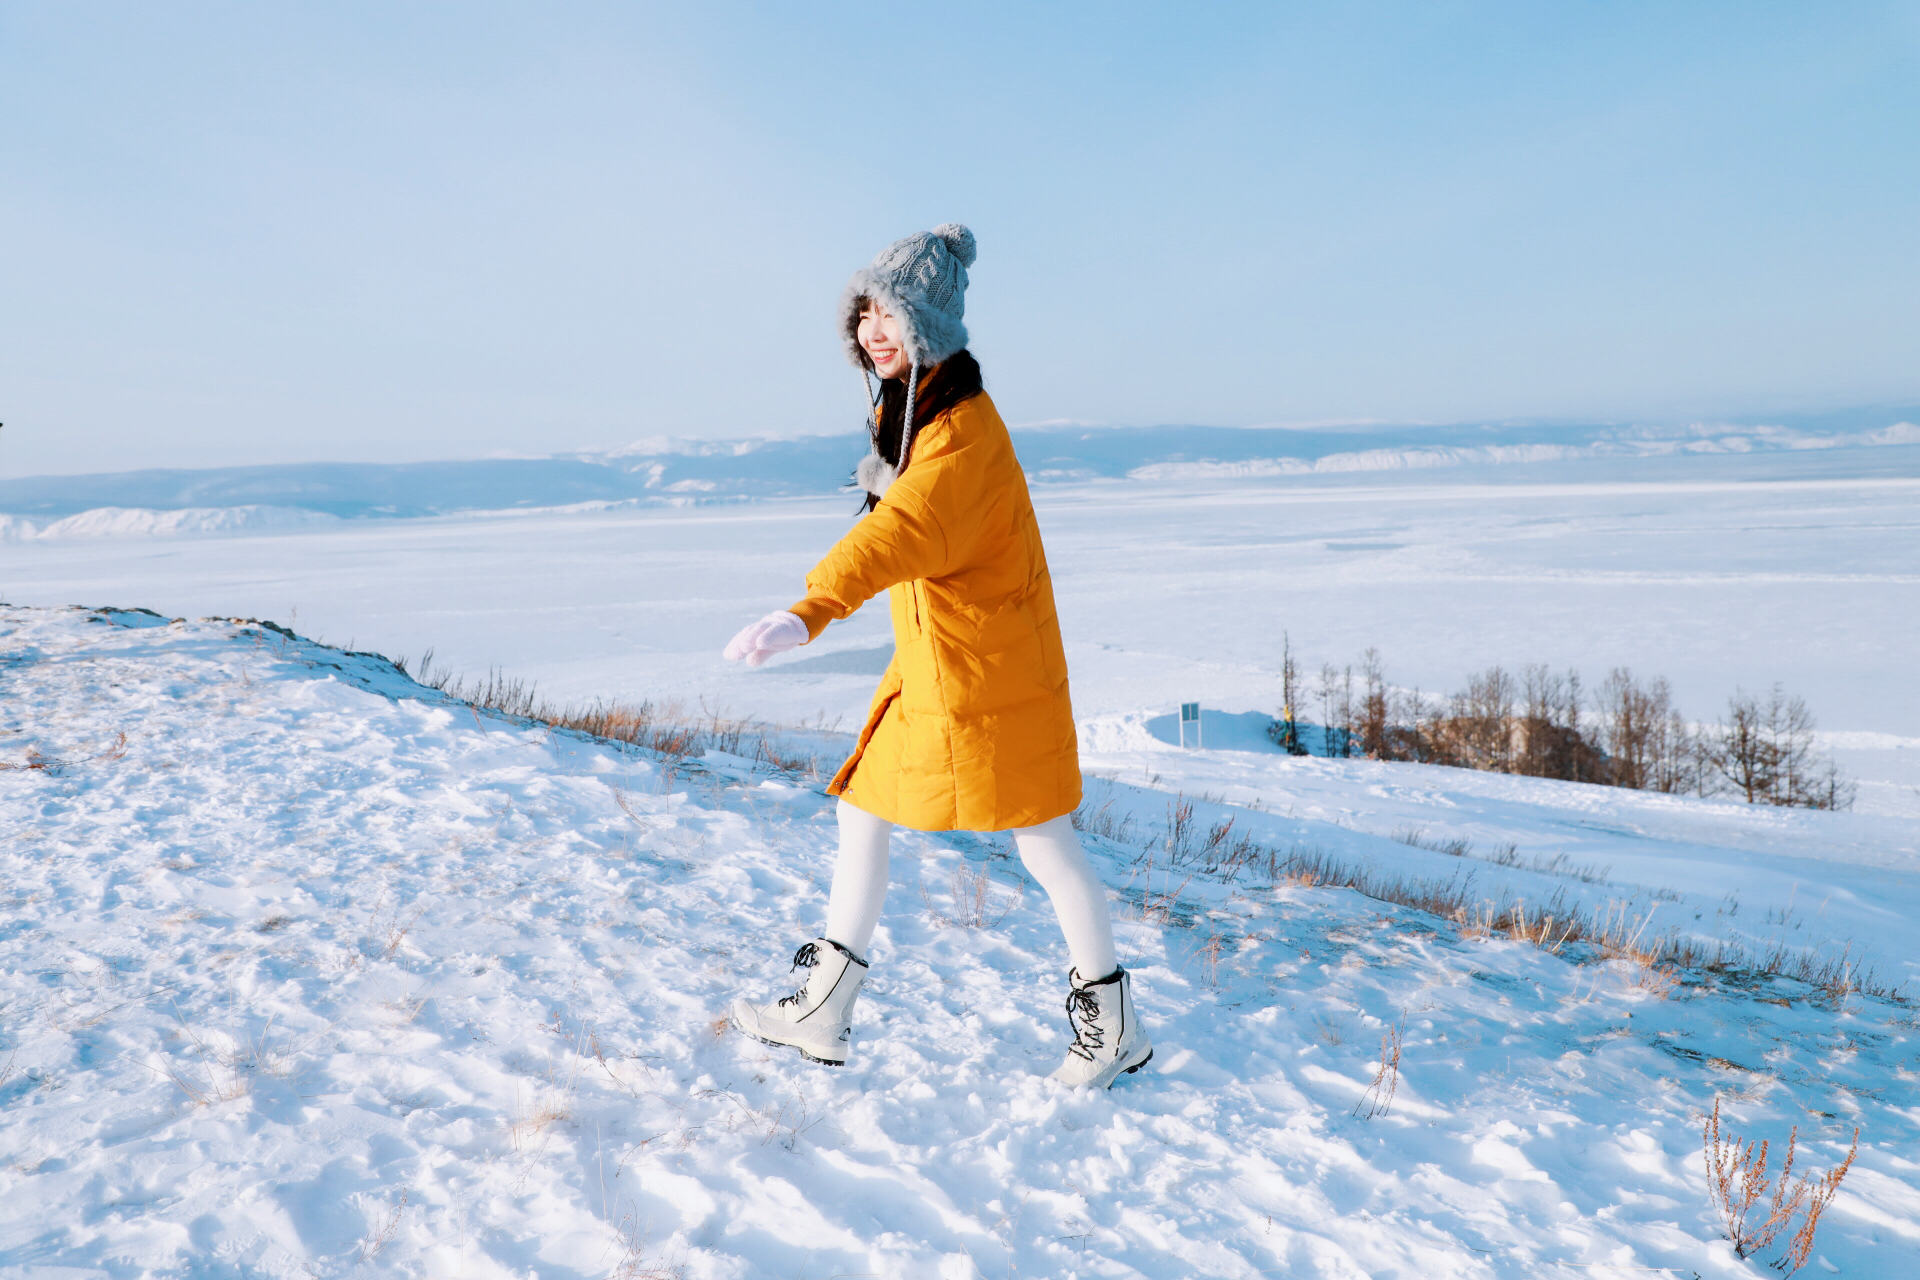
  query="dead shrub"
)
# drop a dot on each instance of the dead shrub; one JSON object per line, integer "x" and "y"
{"x": 1753, "y": 1206}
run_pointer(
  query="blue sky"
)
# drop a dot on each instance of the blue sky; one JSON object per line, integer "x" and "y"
{"x": 250, "y": 233}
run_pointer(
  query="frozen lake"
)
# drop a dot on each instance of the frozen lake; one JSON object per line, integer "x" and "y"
{"x": 1715, "y": 572}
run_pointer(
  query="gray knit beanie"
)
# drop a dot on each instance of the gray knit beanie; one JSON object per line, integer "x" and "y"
{"x": 922, "y": 280}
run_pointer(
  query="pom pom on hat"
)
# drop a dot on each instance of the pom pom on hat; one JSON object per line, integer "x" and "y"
{"x": 959, "y": 241}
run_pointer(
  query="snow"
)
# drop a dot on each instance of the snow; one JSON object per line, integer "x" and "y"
{"x": 319, "y": 972}
{"x": 315, "y": 972}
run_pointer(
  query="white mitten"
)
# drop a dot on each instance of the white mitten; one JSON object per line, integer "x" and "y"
{"x": 758, "y": 641}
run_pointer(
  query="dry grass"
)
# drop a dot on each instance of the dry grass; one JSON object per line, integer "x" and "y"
{"x": 35, "y": 762}
{"x": 665, "y": 729}
{"x": 1210, "y": 850}
{"x": 1101, "y": 820}
{"x": 1417, "y": 838}
{"x": 659, "y": 729}
{"x": 632, "y": 1237}
{"x": 1612, "y": 932}
{"x": 550, "y": 1103}
{"x": 226, "y": 1072}
{"x": 385, "y": 1227}
{"x": 975, "y": 903}
{"x": 534, "y": 1116}
{"x": 771, "y": 755}
{"x": 621, "y": 798}
{"x": 1503, "y": 855}
{"x": 388, "y": 929}
{"x": 1378, "y": 1098}
{"x": 1754, "y": 1206}
{"x": 1162, "y": 904}
{"x": 1210, "y": 956}
{"x": 785, "y": 1122}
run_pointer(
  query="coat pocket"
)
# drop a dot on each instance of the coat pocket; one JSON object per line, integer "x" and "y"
{"x": 916, "y": 609}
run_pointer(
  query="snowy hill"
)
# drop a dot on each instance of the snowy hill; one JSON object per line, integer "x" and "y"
{"x": 309, "y": 970}
{"x": 1879, "y": 441}
{"x": 107, "y": 522}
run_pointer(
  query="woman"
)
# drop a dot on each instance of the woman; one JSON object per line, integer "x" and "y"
{"x": 971, "y": 727}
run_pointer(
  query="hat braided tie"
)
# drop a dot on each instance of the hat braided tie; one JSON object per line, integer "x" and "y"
{"x": 906, "y": 431}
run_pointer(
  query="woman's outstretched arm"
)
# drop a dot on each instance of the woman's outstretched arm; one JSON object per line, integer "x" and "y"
{"x": 921, "y": 529}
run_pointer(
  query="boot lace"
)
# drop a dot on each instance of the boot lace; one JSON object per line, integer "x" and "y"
{"x": 1083, "y": 1006}
{"x": 805, "y": 958}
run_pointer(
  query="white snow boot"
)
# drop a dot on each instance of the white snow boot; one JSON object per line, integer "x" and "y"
{"x": 1108, "y": 1040}
{"x": 818, "y": 1018}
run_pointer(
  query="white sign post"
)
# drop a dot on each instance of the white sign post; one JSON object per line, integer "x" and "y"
{"x": 1190, "y": 714}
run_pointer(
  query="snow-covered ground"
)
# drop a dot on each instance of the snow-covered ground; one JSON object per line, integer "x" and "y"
{"x": 308, "y": 971}
{"x": 321, "y": 972}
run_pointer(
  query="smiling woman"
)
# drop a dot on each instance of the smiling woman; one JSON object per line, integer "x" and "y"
{"x": 972, "y": 725}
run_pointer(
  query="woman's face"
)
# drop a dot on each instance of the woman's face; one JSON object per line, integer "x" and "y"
{"x": 880, "y": 337}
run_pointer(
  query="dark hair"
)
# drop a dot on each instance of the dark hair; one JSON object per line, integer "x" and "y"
{"x": 953, "y": 380}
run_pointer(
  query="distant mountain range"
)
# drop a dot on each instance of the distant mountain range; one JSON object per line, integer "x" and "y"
{"x": 680, "y": 471}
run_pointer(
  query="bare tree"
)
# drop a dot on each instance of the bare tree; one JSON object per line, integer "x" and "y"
{"x": 1347, "y": 709}
{"x": 1550, "y": 744}
{"x": 1765, "y": 752}
{"x": 1676, "y": 752}
{"x": 1376, "y": 712}
{"x": 1481, "y": 722}
{"x": 1647, "y": 741}
{"x": 1335, "y": 709}
{"x": 1285, "y": 731}
{"x": 1631, "y": 715}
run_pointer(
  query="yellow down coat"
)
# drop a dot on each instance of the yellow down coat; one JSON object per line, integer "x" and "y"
{"x": 971, "y": 727}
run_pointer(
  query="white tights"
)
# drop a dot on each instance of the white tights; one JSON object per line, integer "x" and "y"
{"x": 1051, "y": 851}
